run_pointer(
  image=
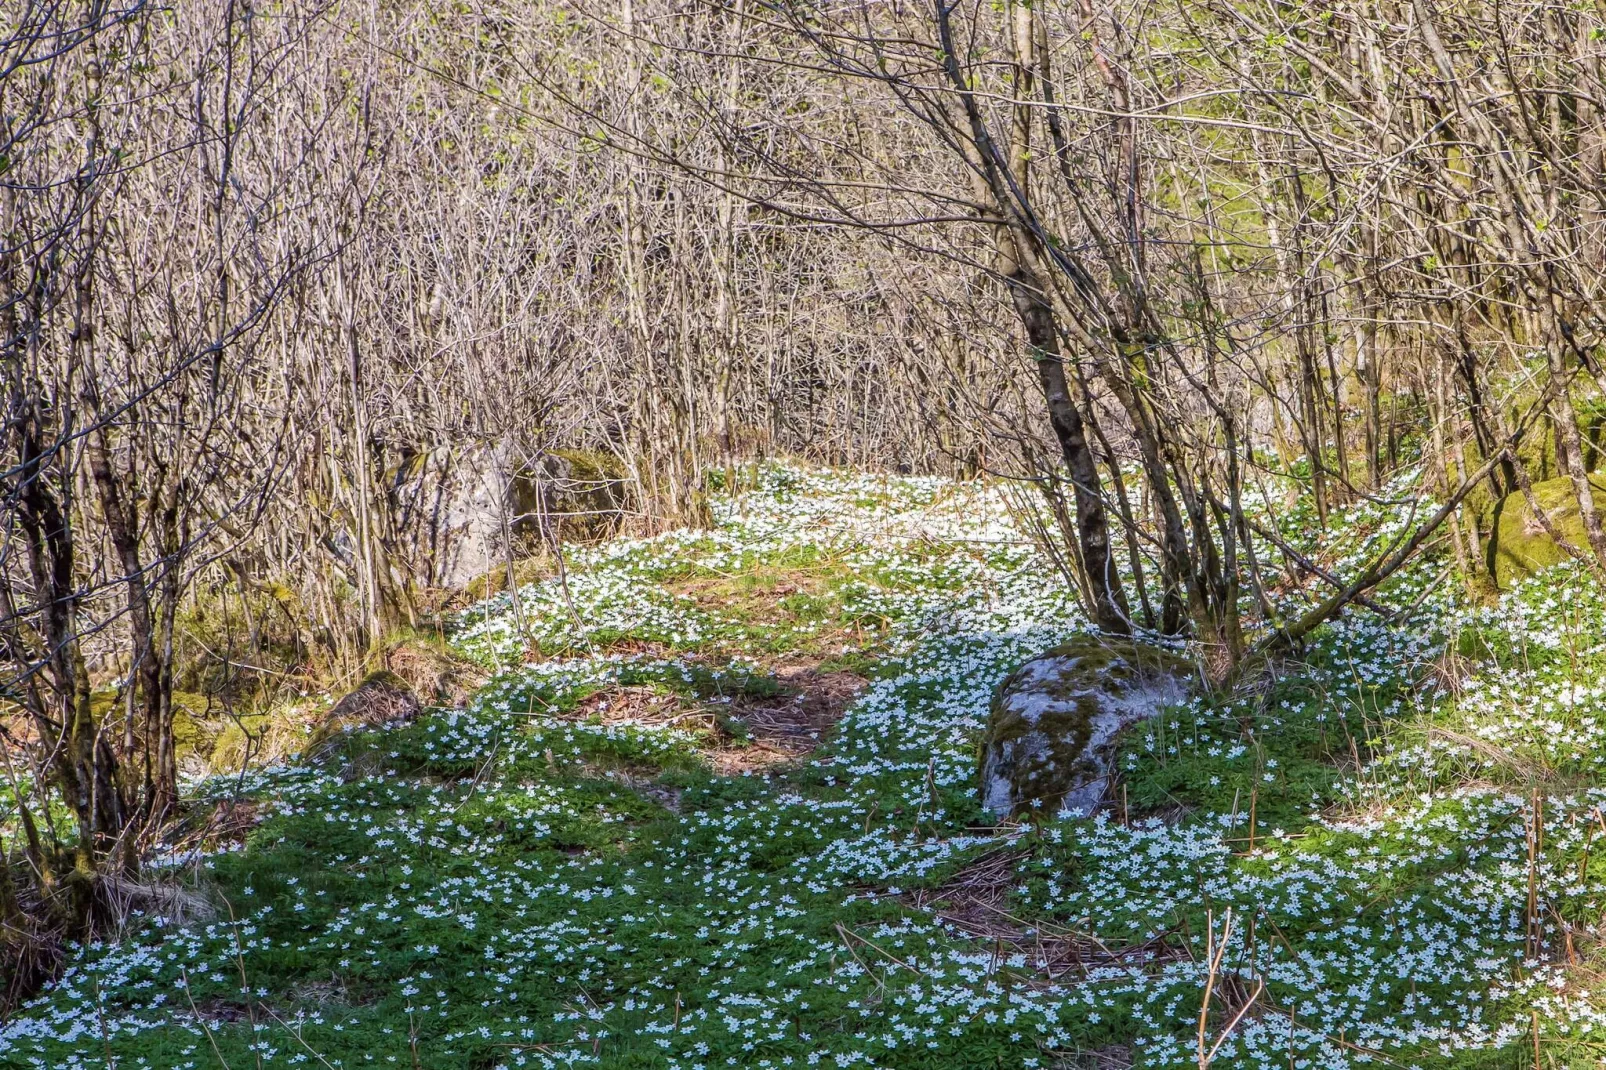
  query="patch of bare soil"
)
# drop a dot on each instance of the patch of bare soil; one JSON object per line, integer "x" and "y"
{"x": 788, "y": 726}
{"x": 638, "y": 705}
{"x": 221, "y": 1010}
{"x": 747, "y": 733}
{"x": 624, "y": 646}
{"x": 1109, "y": 1057}
{"x": 762, "y": 602}
{"x": 333, "y": 992}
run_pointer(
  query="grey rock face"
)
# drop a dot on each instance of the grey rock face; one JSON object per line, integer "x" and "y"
{"x": 480, "y": 497}
{"x": 447, "y": 510}
{"x": 454, "y": 510}
{"x": 1054, "y": 723}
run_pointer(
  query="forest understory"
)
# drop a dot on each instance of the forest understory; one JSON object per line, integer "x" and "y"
{"x": 715, "y": 804}
{"x": 685, "y": 534}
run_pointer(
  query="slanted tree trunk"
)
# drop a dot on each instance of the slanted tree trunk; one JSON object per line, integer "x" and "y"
{"x": 1110, "y": 610}
{"x": 1005, "y": 179}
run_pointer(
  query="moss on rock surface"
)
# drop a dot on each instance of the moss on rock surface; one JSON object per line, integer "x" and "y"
{"x": 586, "y": 489}
{"x": 196, "y": 722}
{"x": 1053, "y": 724}
{"x": 1521, "y": 544}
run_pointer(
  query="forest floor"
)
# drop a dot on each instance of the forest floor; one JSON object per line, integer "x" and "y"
{"x": 716, "y": 807}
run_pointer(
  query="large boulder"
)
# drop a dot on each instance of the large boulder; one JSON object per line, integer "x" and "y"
{"x": 1055, "y": 721}
{"x": 452, "y": 511}
{"x": 1521, "y": 545}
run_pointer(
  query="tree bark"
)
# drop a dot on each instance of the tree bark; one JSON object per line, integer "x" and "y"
{"x": 1110, "y": 610}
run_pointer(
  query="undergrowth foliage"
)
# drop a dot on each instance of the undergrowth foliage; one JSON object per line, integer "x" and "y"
{"x": 1399, "y": 826}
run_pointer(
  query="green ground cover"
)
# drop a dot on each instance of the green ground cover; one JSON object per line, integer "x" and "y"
{"x": 1399, "y": 828}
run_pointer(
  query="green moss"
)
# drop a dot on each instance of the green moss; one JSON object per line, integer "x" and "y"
{"x": 1125, "y": 659}
{"x": 1521, "y": 544}
{"x": 1096, "y": 668}
{"x": 241, "y": 736}
{"x": 1068, "y": 730}
{"x": 383, "y": 678}
{"x": 592, "y": 466}
{"x": 589, "y": 494}
{"x": 193, "y": 732}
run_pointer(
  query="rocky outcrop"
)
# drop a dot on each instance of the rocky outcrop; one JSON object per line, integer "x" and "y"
{"x": 453, "y": 511}
{"x": 1055, "y": 722}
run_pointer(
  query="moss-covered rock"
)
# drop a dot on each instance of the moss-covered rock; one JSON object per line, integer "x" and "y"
{"x": 196, "y": 724}
{"x": 1054, "y": 722}
{"x": 1521, "y": 544}
{"x": 585, "y": 488}
{"x": 197, "y": 721}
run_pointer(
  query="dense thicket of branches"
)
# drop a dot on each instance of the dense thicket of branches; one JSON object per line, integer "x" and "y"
{"x": 263, "y": 263}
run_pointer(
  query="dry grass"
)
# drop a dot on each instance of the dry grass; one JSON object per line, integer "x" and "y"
{"x": 975, "y": 903}
{"x": 437, "y": 676}
{"x": 32, "y": 945}
{"x": 167, "y": 896}
{"x": 789, "y": 726}
{"x": 1451, "y": 670}
{"x": 1109, "y": 1057}
{"x": 1527, "y": 770}
{"x": 382, "y": 698}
